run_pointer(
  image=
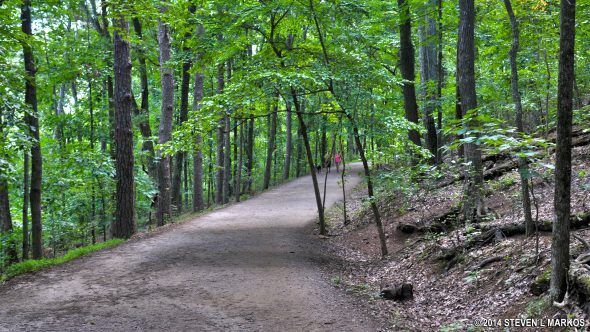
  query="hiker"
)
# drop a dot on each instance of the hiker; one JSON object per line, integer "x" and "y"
{"x": 327, "y": 162}
{"x": 337, "y": 160}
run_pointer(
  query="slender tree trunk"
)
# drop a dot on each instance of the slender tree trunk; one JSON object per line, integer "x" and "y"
{"x": 33, "y": 124}
{"x": 440, "y": 80}
{"x": 250, "y": 155}
{"x": 560, "y": 255}
{"x": 220, "y": 140}
{"x": 271, "y": 145}
{"x": 370, "y": 191}
{"x": 299, "y": 152}
{"x": 406, "y": 62}
{"x": 238, "y": 186}
{"x": 5, "y": 216}
{"x": 523, "y": 168}
{"x": 227, "y": 146}
{"x": 314, "y": 179}
{"x": 474, "y": 206}
{"x": 124, "y": 222}
{"x": 428, "y": 76}
{"x": 198, "y": 150}
{"x": 181, "y": 155}
{"x": 26, "y": 198}
{"x": 288, "y": 143}
{"x": 143, "y": 112}
{"x": 164, "y": 211}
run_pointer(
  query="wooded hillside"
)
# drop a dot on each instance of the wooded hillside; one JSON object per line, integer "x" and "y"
{"x": 119, "y": 116}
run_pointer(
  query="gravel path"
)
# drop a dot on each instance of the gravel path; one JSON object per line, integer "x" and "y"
{"x": 251, "y": 266}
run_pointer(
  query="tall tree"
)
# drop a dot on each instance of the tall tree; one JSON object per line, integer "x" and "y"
{"x": 219, "y": 198}
{"x": 198, "y": 152}
{"x": 560, "y": 244}
{"x": 227, "y": 145}
{"x": 181, "y": 155}
{"x": 474, "y": 206}
{"x": 124, "y": 223}
{"x": 406, "y": 62}
{"x": 143, "y": 112}
{"x": 32, "y": 120}
{"x": 5, "y": 216}
{"x": 164, "y": 211}
{"x": 429, "y": 77}
{"x": 522, "y": 163}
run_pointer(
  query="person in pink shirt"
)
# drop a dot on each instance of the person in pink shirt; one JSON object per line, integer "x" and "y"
{"x": 337, "y": 160}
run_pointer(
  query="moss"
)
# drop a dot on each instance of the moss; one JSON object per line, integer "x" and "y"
{"x": 537, "y": 307}
{"x": 36, "y": 265}
{"x": 544, "y": 277}
{"x": 586, "y": 281}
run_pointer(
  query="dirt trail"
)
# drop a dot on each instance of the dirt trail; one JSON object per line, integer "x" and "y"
{"x": 252, "y": 266}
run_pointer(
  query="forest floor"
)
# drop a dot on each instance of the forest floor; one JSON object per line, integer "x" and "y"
{"x": 452, "y": 292}
{"x": 251, "y": 266}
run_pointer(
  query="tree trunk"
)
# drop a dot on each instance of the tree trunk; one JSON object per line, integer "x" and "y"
{"x": 370, "y": 191}
{"x": 220, "y": 140}
{"x": 181, "y": 155}
{"x": 26, "y": 198}
{"x": 288, "y": 143}
{"x": 198, "y": 150}
{"x": 124, "y": 223}
{"x": 143, "y": 112}
{"x": 32, "y": 120}
{"x": 249, "y": 155}
{"x": 314, "y": 179}
{"x": 238, "y": 185}
{"x": 406, "y": 62}
{"x": 440, "y": 80}
{"x": 164, "y": 211}
{"x": 271, "y": 145}
{"x": 523, "y": 168}
{"x": 299, "y": 153}
{"x": 560, "y": 256}
{"x": 474, "y": 206}
{"x": 5, "y": 216}
{"x": 429, "y": 77}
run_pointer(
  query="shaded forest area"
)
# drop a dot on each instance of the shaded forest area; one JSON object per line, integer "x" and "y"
{"x": 119, "y": 116}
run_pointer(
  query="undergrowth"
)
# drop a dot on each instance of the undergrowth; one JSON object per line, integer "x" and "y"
{"x": 36, "y": 265}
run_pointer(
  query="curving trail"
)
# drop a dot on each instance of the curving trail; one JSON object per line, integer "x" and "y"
{"x": 251, "y": 266}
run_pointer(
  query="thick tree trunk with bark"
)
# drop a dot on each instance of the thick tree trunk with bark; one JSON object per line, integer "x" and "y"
{"x": 474, "y": 206}
{"x": 429, "y": 77}
{"x": 560, "y": 255}
{"x": 406, "y": 62}
{"x": 124, "y": 223}
{"x": 32, "y": 120}
{"x": 523, "y": 168}
{"x": 164, "y": 211}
